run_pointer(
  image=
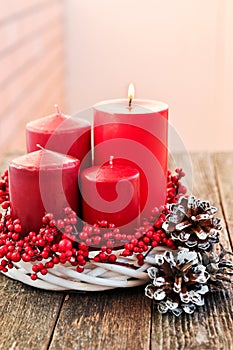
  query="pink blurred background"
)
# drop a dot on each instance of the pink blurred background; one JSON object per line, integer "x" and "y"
{"x": 76, "y": 53}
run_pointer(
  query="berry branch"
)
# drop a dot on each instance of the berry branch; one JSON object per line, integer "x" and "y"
{"x": 59, "y": 241}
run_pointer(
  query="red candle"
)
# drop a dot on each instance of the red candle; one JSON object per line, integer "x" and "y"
{"x": 42, "y": 181}
{"x": 111, "y": 192}
{"x": 61, "y": 133}
{"x": 135, "y": 131}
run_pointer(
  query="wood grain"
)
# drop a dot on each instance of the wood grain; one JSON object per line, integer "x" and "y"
{"x": 118, "y": 319}
{"x": 28, "y": 316}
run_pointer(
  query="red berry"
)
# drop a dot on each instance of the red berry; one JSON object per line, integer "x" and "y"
{"x": 156, "y": 237}
{"x": 88, "y": 241}
{"x": 67, "y": 210}
{"x": 129, "y": 246}
{"x": 146, "y": 239}
{"x": 97, "y": 240}
{"x": 10, "y": 227}
{"x": 68, "y": 229}
{"x": 126, "y": 252}
{"x": 103, "y": 223}
{"x": 34, "y": 277}
{"x": 83, "y": 235}
{"x": 73, "y": 221}
{"x": 56, "y": 260}
{"x": 15, "y": 257}
{"x": 45, "y": 255}
{"x": 64, "y": 245}
{"x": 35, "y": 268}
{"x": 103, "y": 256}
{"x": 26, "y": 257}
{"x": 80, "y": 269}
{"x": 5, "y": 204}
{"x": 112, "y": 258}
{"x": 109, "y": 244}
{"x": 169, "y": 243}
{"x": 15, "y": 236}
{"x": 52, "y": 223}
{"x": 111, "y": 225}
{"x": 49, "y": 265}
{"x": 137, "y": 235}
{"x": 60, "y": 223}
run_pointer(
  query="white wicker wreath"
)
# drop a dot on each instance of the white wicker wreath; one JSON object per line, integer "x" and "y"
{"x": 96, "y": 276}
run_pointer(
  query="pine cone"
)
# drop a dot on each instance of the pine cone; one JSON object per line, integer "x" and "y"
{"x": 191, "y": 223}
{"x": 179, "y": 282}
{"x": 218, "y": 267}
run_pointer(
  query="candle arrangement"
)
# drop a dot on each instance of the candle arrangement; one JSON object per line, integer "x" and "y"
{"x": 118, "y": 220}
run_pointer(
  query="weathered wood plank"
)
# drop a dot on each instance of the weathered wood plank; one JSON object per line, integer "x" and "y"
{"x": 211, "y": 327}
{"x": 118, "y": 319}
{"x": 28, "y": 315}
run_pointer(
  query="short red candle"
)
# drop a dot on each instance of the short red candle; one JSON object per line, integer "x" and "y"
{"x": 111, "y": 192}
{"x": 42, "y": 181}
{"x": 63, "y": 134}
{"x": 135, "y": 133}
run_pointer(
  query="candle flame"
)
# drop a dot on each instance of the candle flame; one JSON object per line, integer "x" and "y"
{"x": 131, "y": 92}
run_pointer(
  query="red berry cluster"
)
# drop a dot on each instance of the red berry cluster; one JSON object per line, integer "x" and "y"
{"x": 175, "y": 188}
{"x": 104, "y": 234}
{"x": 149, "y": 236}
{"x": 59, "y": 241}
{"x": 4, "y": 190}
{"x": 53, "y": 242}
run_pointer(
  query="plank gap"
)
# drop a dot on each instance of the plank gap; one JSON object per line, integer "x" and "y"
{"x": 56, "y": 321}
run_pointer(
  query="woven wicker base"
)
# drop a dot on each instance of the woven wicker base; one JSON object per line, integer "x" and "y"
{"x": 96, "y": 276}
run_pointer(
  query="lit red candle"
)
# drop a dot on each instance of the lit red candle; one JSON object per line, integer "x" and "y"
{"x": 136, "y": 132}
{"x": 61, "y": 133}
{"x": 111, "y": 192}
{"x": 42, "y": 181}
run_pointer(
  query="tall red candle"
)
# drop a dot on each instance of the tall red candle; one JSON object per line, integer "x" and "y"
{"x": 136, "y": 132}
{"x": 42, "y": 181}
{"x": 111, "y": 192}
{"x": 63, "y": 134}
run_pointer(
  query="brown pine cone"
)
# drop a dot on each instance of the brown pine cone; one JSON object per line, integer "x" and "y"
{"x": 192, "y": 223}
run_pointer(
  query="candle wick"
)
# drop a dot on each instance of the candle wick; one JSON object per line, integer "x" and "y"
{"x": 130, "y": 102}
{"x": 39, "y": 146}
{"x": 111, "y": 161}
{"x": 58, "y": 111}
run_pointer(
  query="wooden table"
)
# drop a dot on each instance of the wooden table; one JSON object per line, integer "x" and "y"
{"x": 125, "y": 319}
